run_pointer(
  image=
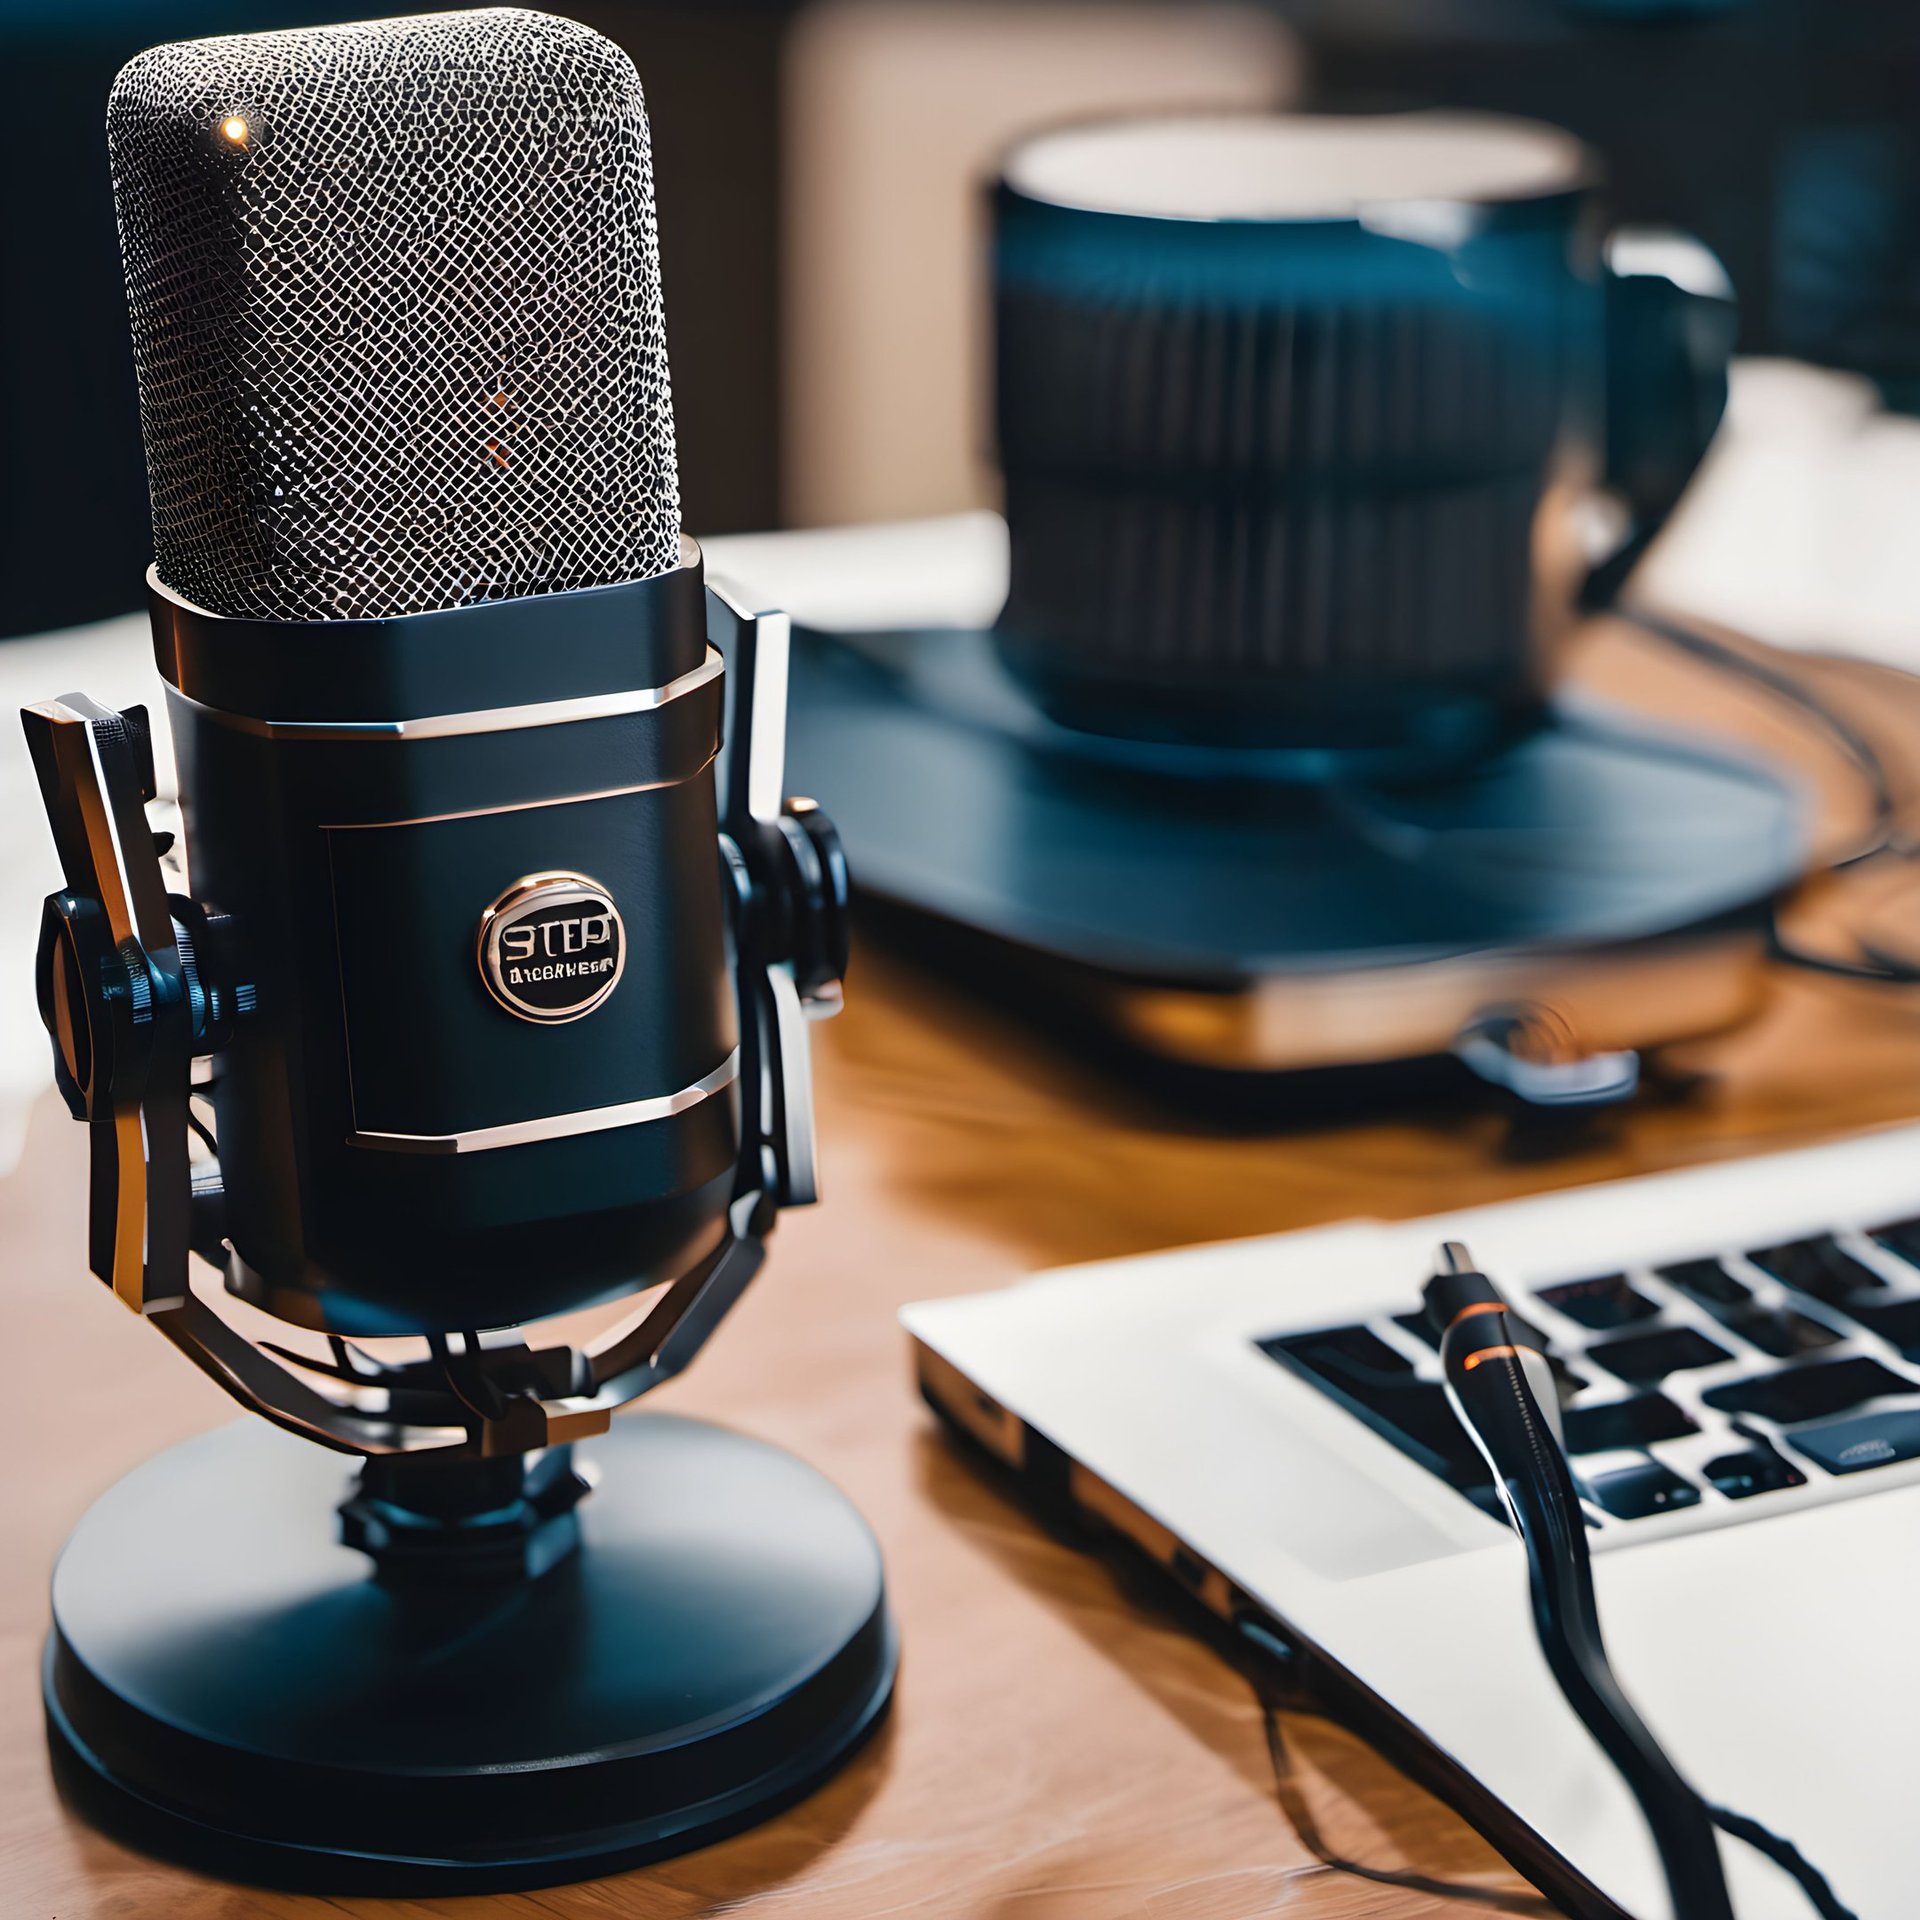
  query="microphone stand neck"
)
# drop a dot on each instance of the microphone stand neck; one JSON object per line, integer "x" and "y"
{"x": 432, "y": 1520}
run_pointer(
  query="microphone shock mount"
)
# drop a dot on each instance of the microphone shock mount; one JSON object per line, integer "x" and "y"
{"x": 138, "y": 985}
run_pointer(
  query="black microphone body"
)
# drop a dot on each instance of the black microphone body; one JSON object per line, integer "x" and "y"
{"x": 402, "y": 1152}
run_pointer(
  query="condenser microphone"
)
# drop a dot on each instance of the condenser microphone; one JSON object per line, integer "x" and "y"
{"x": 498, "y": 944}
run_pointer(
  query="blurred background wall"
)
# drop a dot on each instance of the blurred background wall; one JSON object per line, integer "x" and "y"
{"x": 818, "y": 168}
{"x": 896, "y": 112}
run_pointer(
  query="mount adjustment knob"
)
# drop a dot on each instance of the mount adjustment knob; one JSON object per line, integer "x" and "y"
{"x": 819, "y": 934}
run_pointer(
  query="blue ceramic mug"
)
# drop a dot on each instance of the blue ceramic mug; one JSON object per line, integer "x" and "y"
{"x": 1293, "y": 412}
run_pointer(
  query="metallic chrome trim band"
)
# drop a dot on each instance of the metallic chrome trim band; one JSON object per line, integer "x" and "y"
{"x": 557, "y": 1126}
{"x": 514, "y": 806}
{"x": 443, "y": 726}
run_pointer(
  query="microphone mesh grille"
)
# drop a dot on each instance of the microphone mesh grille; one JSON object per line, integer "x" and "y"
{"x": 395, "y": 291}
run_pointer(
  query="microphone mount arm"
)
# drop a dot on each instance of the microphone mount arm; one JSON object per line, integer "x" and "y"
{"x": 134, "y": 984}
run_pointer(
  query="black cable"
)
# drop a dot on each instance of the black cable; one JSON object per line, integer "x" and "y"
{"x": 1501, "y": 1389}
{"x": 1886, "y": 970}
{"x": 1785, "y": 1855}
{"x": 1300, "y": 1814}
{"x": 1532, "y": 1473}
{"x": 1883, "y": 838}
{"x": 1883, "y": 835}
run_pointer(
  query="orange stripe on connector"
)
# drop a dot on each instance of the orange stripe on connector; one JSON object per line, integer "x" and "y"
{"x": 1489, "y": 1353}
{"x": 1479, "y": 1306}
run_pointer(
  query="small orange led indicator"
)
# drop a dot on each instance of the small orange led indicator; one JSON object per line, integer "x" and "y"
{"x": 235, "y": 129}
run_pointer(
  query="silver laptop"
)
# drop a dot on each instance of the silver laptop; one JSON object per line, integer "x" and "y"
{"x": 1738, "y": 1356}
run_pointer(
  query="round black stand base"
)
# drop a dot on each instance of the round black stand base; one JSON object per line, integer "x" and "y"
{"x": 227, "y": 1685}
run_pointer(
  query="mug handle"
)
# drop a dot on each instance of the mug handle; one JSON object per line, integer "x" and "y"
{"x": 1671, "y": 323}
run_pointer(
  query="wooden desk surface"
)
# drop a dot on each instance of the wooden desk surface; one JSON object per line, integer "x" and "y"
{"x": 1058, "y": 1748}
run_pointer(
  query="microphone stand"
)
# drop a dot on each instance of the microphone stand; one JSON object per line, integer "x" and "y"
{"x": 523, "y": 1692}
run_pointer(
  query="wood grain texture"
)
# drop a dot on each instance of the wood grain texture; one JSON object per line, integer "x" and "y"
{"x": 1060, "y": 1748}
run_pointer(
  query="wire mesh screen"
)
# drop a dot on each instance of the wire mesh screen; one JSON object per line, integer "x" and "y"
{"x": 396, "y": 313}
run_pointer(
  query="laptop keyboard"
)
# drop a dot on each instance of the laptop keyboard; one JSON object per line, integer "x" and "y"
{"x": 1705, "y": 1380}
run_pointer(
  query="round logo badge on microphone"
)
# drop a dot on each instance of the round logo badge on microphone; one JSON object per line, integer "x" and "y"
{"x": 552, "y": 947}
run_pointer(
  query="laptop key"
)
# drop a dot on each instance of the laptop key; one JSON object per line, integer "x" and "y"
{"x": 1637, "y": 1422}
{"x": 1353, "y": 1354}
{"x": 1645, "y": 1359}
{"x": 1780, "y": 1331}
{"x": 1756, "y": 1468}
{"x": 1634, "y": 1492}
{"x": 1865, "y": 1440}
{"x": 1901, "y": 1237}
{"x": 1708, "y": 1282}
{"x": 1356, "y": 1368}
{"x": 1809, "y": 1392}
{"x": 1609, "y": 1301}
{"x": 1894, "y": 1320}
{"x": 1819, "y": 1266}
